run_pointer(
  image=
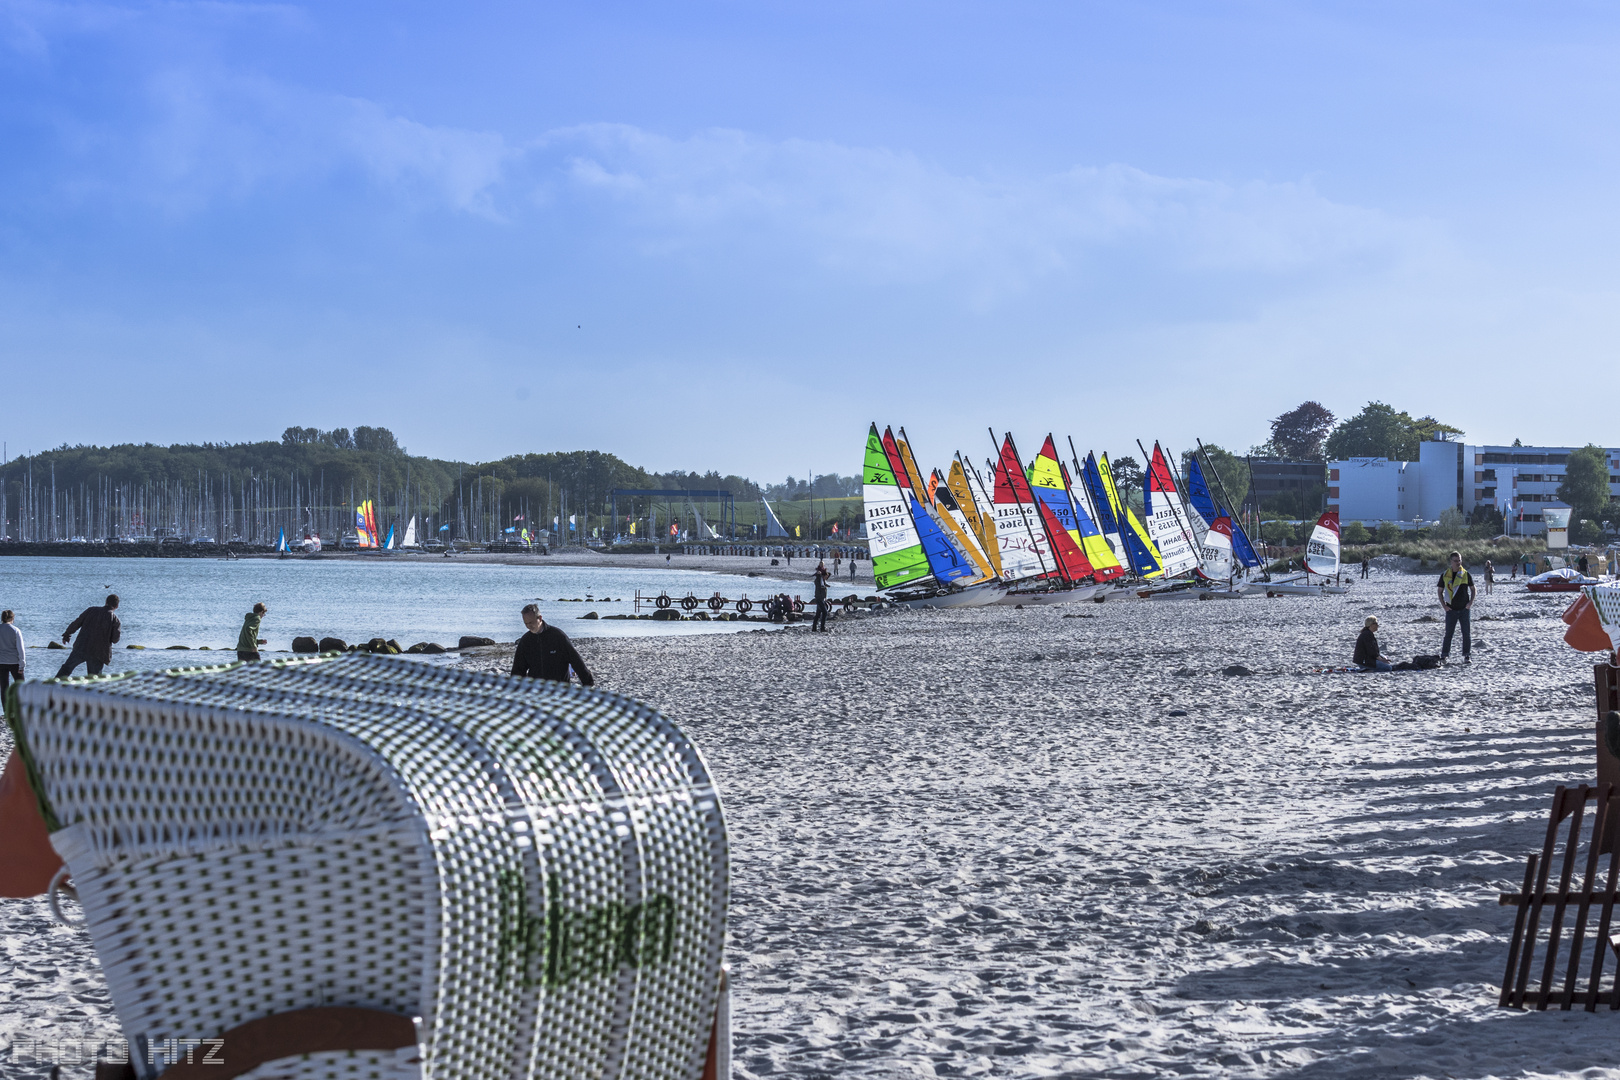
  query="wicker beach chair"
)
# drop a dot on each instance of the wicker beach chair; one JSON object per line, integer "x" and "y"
{"x": 365, "y": 867}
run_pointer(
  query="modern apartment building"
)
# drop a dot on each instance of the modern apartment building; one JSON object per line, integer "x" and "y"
{"x": 1518, "y": 481}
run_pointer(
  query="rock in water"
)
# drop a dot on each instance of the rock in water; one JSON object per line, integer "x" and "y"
{"x": 305, "y": 645}
{"x": 470, "y": 642}
{"x": 426, "y": 647}
{"x": 590, "y": 615}
{"x": 333, "y": 644}
{"x": 666, "y": 615}
{"x": 54, "y": 644}
{"x": 378, "y": 646}
{"x": 1236, "y": 669}
{"x": 394, "y": 647}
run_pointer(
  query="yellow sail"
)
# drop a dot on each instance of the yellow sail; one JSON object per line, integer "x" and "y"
{"x": 983, "y": 528}
{"x": 1127, "y": 515}
{"x": 925, "y": 496}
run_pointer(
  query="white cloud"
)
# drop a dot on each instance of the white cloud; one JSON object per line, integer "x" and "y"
{"x": 881, "y": 214}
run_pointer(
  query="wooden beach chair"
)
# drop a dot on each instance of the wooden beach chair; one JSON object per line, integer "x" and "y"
{"x": 1570, "y": 903}
{"x": 367, "y": 867}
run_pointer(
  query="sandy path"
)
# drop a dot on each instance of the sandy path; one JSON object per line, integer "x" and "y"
{"x": 976, "y": 842}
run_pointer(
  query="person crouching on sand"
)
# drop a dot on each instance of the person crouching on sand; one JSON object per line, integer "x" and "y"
{"x": 248, "y": 641}
{"x": 1368, "y": 656}
{"x": 546, "y": 653}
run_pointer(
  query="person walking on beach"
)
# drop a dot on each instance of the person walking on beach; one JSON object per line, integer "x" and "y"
{"x": 99, "y": 630}
{"x": 546, "y": 653}
{"x": 248, "y": 641}
{"x": 1490, "y": 577}
{"x": 1366, "y": 566}
{"x": 13, "y": 653}
{"x": 823, "y": 606}
{"x": 1368, "y": 656}
{"x": 1456, "y": 591}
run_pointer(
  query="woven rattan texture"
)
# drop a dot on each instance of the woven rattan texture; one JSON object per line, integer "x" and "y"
{"x": 543, "y": 866}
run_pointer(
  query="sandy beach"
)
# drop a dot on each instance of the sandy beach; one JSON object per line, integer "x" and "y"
{"x": 980, "y": 843}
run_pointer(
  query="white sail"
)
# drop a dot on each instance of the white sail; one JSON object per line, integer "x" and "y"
{"x": 1216, "y": 557}
{"x": 1322, "y": 549}
{"x": 410, "y": 534}
{"x": 1167, "y": 519}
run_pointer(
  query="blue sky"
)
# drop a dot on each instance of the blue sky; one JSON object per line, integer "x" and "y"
{"x": 728, "y": 235}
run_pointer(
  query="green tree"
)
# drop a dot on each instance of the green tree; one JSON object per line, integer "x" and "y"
{"x": 1388, "y": 532}
{"x": 1356, "y": 533}
{"x": 1297, "y": 434}
{"x": 1586, "y": 483}
{"x": 1378, "y": 430}
{"x": 1452, "y": 524}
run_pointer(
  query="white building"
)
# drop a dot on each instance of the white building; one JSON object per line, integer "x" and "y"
{"x": 1518, "y": 481}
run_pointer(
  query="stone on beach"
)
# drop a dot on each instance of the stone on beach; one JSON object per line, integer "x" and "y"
{"x": 305, "y": 645}
{"x": 334, "y": 644}
{"x": 469, "y": 642}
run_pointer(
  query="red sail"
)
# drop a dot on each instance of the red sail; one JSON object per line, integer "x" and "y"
{"x": 1012, "y": 486}
{"x": 895, "y": 462}
{"x": 1159, "y": 478}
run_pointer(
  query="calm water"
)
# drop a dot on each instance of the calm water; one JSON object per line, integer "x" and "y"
{"x": 196, "y": 602}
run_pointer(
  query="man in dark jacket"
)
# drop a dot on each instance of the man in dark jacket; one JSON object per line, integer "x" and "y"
{"x": 823, "y": 605}
{"x": 1368, "y": 656}
{"x": 546, "y": 653}
{"x": 98, "y": 629}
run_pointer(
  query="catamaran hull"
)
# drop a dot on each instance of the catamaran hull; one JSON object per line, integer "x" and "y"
{"x": 1052, "y": 596}
{"x": 972, "y": 596}
{"x": 1195, "y": 594}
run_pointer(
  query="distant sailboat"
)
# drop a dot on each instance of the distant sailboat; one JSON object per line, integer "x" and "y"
{"x": 1321, "y": 558}
{"x": 410, "y": 534}
{"x": 281, "y": 541}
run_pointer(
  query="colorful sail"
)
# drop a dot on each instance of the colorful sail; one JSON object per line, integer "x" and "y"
{"x": 1178, "y": 551}
{"x": 1107, "y": 517}
{"x": 1216, "y": 556}
{"x": 1322, "y": 549}
{"x": 1019, "y": 532}
{"x": 1198, "y": 493}
{"x": 1104, "y": 563}
{"x": 365, "y": 525}
{"x": 1057, "y": 513}
{"x": 281, "y": 542}
{"x": 986, "y": 506}
{"x": 980, "y": 523}
{"x": 897, "y": 553}
{"x": 957, "y": 527}
{"x": 946, "y": 562}
{"x": 1139, "y": 548}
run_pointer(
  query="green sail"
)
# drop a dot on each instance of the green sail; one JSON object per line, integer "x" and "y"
{"x": 897, "y": 551}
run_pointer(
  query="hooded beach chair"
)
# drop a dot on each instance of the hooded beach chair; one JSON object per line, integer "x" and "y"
{"x": 366, "y": 867}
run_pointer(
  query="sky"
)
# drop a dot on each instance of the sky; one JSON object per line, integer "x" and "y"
{"x": 728, "y": 236}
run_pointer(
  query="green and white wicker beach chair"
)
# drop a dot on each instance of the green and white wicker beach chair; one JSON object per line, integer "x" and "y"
{"x": 366, "y": 867}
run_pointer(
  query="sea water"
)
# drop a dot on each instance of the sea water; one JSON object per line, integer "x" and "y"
{"x": 201, "y": 602}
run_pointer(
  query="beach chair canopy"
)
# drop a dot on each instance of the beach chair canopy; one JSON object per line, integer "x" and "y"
{"x": 387, "y": 869}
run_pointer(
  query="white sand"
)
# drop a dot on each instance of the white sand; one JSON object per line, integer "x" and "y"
{"x": 975, "y": 842}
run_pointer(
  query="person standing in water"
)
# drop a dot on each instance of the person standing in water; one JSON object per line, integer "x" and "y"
{"x": 99, "y": 630}
{"x": 13, "y": 653}
{"x": 248, "y": 641}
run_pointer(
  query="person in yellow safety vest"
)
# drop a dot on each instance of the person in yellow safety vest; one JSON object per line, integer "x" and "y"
{"x": 1456, "y": 597}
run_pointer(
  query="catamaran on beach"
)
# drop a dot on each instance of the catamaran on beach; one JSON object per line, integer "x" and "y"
{"x": 1035, "y": 536}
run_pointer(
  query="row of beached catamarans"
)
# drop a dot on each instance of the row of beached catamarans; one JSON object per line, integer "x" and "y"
{"x": 1043, "y": 534}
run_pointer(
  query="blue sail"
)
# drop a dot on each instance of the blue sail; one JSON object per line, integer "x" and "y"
{"x": 1241, "y": 546}
{"x": 1198, "y": 493}
{"x": 1092, "y": 478}
{"x": 943, "y": 559}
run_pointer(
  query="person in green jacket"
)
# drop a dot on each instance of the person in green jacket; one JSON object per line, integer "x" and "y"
{"x": 248, "y": 642}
